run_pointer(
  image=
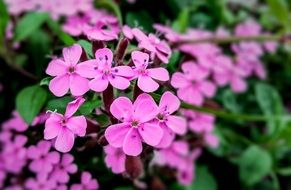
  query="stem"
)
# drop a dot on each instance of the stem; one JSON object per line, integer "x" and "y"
{"x": 108, "y": 97}
{"x": 227, "y": 115}
{"x": 233, "y": 39}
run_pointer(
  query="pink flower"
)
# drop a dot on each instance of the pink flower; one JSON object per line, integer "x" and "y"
{"x": 42, "y": 159}
{"x": 101, "y": 32}
{"x": 16, "y": 7}
{"x": 168, "y": 32}
{"x": 62, "y": 170}
{"x": 135, "y": 126}
{"x": 153, "y": 44}
{"x": 64, "y": 127}
{"x": 145, "y": 76}
{"x": 248, "y": 28}
{"x": 228, "y": 73}
{"x": 127, "y": 32}
{"x": 115, "y": 159}
{"x": 179, "y": 157}
{"x": 192, "y": 84}
{"x": 75, "y": 25}
{"x": 199, "y": 122}
{"x": 67, "y": 73}
{"x": 211, "y": 140}
{"x": 15, "y": 123}
{"x": 40, "y": 182}
{"x": 103, "y": 73}
{"x": 87, "y": 183}
{"x": 170, "y": 124}
{"x": 15, "y": 154}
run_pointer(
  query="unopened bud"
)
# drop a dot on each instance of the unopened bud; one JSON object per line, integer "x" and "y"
{"x": 133, "y": 166}
{"x": 97, "y": 45}
{"x": 157, "y": 184}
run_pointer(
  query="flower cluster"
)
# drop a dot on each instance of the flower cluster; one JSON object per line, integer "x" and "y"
{"x": 49, "y": 169}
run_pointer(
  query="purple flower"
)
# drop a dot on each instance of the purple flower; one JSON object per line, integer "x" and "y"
{"x": 87, "y": 183}
{"x": 63, "y": 169}
{"x": 42, "y": 159}
{"x": 115, "y": 159}
{"x": 67, "y": 73}
{"x": 65, "y": 127}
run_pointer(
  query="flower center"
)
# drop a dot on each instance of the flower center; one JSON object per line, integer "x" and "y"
{"x": 71, "y": 69}
{"x": 134, "y": 124}
{"x": 63, "y": 121}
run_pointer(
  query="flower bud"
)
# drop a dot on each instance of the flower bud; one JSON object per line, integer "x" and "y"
{"x": 133, "y": 166}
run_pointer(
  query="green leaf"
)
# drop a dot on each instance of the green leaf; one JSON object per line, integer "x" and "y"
{"x": 29, "y": 102}
{"x": 284, "y": 171}
{"x": 229, "y": 101}
{"x": 57, "y": 30}
{"x": 141, "y": 19}
{"x": 87, "y": 47}
{"x": 89, "y": 106}
{"x": 279, "y": 8}
{"x": 45, "y": 81}
{"x": 181, "y": 24}
{"x": 124, "y": 188}
{"x": 110, "y": 6}
{"x": 4, "y": 19}
{"x": 171, "y": 66}
{"x": 59, "y": 104}
{"x": 254, "y": 164}
{"x": 103, "y": 120}
{"x": 28, "y": 24}
{"x": 204, "y": 180}
{"x": 270, "y": 103}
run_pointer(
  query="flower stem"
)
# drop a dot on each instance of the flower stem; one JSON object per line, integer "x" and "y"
{"x": 234, "y": 39}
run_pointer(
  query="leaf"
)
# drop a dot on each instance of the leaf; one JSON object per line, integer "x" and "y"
{"x": 279, "y": 8}
{"x": 87, "y": 47}
{"x": 45, "y": 81}
{"x": 141, "y": 19}
{"x": 59, "y": 104}
{"x": 171, "y": 66}
{"x": 89, "y": 106}
{"x": 181, "y": 24}
{"x": 102, "y": 119}
{"x": 29, "y": 102}
{"x": 254, "y": 164}
{"x": 123, "y": 188}
{"x": 270, "y": 103}
{"x": 284, "y": 171}
{"x": 229, "y": 101}
{"x": 57, "y": 30}
{"x": 28, "y": 24}
{"x": 4, "y": 19}
{"x": 110, "y": 6}
{"x": 204, "y": 180}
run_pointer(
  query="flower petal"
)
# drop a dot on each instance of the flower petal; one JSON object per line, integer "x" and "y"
{"x": 73, "y": 106}
{"x": 121, "y": 108}
{"x": 168, "y": 137}
{"x": 170, "y": 102}
{"x": 119, "y": 82}
{"x": 98, "y": 84}
{"x": 147, "y": 84}
{"x": 140, "y": 59}
{"x": 56, "y": 67}
{"x": 132, "y": 144}
{"x": 65, "y": 140}
{"x": 78, "y": 85}
{"x": 104, "y": 55}
{"x": 177, "y": 124}
{"x": 60, "y": 85}
{"x": 179, "y": 80}
{"x": 52, "y": 126}
{"x": 151, "y": 133}
{"x": 124, "y": 71}
{"x": 72, "y": 54}
{"x": 145, "y": 109}
{"x": 115, "y": 134}
{"x": 208, "y": 88}
{"x": 87, "y": 69}
{"x": 77, "y": 125}
{"x": 160, "y": 74}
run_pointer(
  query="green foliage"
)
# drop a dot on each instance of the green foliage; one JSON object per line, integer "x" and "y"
{"x": 59, "y": 104}
{"x": 254, "y": 164}
{"x": 181, "y": 24}
{"x": 29, "y": 102}
{"x": 87, "y": 47}
{"x": 3, "y": 21}
{"x": 270, "y": 103}
{"x": 279, "y": 9}
{"x": 29, "y": 24}
{"x": 89, "y": 106}
{"x": 140, "y": 19}
{"x": 63, "y": 37}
